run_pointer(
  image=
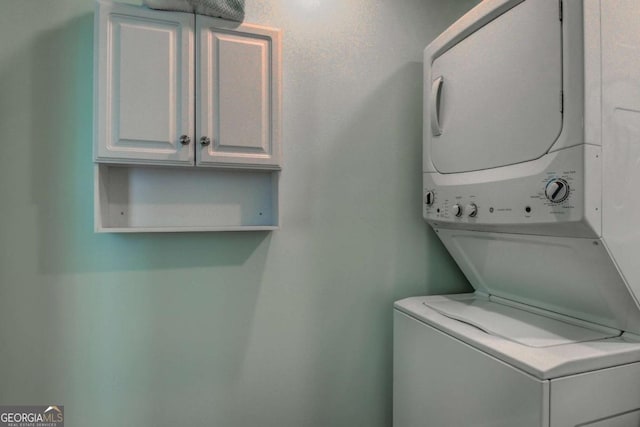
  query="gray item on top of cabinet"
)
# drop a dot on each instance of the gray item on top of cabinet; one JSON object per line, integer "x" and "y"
{"x": 226, "y": 9}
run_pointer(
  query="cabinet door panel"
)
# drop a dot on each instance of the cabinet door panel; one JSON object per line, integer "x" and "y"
{"x": 144, "y": 85}
{"x": 239, "y": 94}
{"x": 242, "y": 94}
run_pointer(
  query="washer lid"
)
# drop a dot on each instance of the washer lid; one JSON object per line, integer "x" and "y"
{"x": 543, "y": 344}
{"x": 520, "y": 326}
{"x": 496, "y": 95}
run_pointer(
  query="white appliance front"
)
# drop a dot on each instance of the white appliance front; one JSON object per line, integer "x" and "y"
{"x": 542, "y": 373}
{"x": 531, "y": 154}
{"x": 547, "y": 223}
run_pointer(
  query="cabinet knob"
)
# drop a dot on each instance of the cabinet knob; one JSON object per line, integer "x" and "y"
{"x": 185, "y": 140}
{"x": 205, "y": 140}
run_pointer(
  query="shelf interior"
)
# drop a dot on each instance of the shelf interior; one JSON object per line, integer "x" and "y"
{"x": 145, "y": 198}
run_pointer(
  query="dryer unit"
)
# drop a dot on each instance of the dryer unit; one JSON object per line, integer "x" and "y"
{"x": 531, "y": 177}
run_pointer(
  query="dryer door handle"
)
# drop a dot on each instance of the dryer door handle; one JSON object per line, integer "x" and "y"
{"x": 436, "y": 93}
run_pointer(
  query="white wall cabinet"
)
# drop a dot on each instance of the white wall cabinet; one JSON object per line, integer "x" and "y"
{"x": 177, "y": 89}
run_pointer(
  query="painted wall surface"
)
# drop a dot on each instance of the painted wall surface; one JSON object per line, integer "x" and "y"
{"x": 291, "y": 328}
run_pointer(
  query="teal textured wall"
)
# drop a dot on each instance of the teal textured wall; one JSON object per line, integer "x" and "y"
{"x": 291, "y": 328}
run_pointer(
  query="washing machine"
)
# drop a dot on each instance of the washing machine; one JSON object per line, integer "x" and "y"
{"x": 531, "y": 177}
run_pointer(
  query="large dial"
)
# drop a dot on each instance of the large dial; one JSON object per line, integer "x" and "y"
{"x": 557, "y": 190}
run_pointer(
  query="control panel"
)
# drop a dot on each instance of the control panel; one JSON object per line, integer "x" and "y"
{"x": 550, "y": 190}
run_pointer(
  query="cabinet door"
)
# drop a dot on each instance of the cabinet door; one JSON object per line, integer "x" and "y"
{"x": 238, "y": 86}
{"x": 144, "y": 86}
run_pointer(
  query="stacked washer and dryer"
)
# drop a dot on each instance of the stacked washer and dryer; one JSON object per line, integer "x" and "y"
{"x": 532, "y": 182}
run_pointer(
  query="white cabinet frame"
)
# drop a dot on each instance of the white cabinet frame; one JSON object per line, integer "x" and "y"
{"x": 154, "y": 110}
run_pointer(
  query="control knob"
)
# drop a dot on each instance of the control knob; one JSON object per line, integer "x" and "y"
{"x": 472, "y": 210}
{"x": 457, "y": 210}
{"x": 429, "y": 198}
{"x": 557, "y": 190}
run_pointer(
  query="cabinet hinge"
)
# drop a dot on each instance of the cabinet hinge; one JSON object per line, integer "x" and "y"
{"x": 560, "y": 9}
{"x": 562, "y": 101}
